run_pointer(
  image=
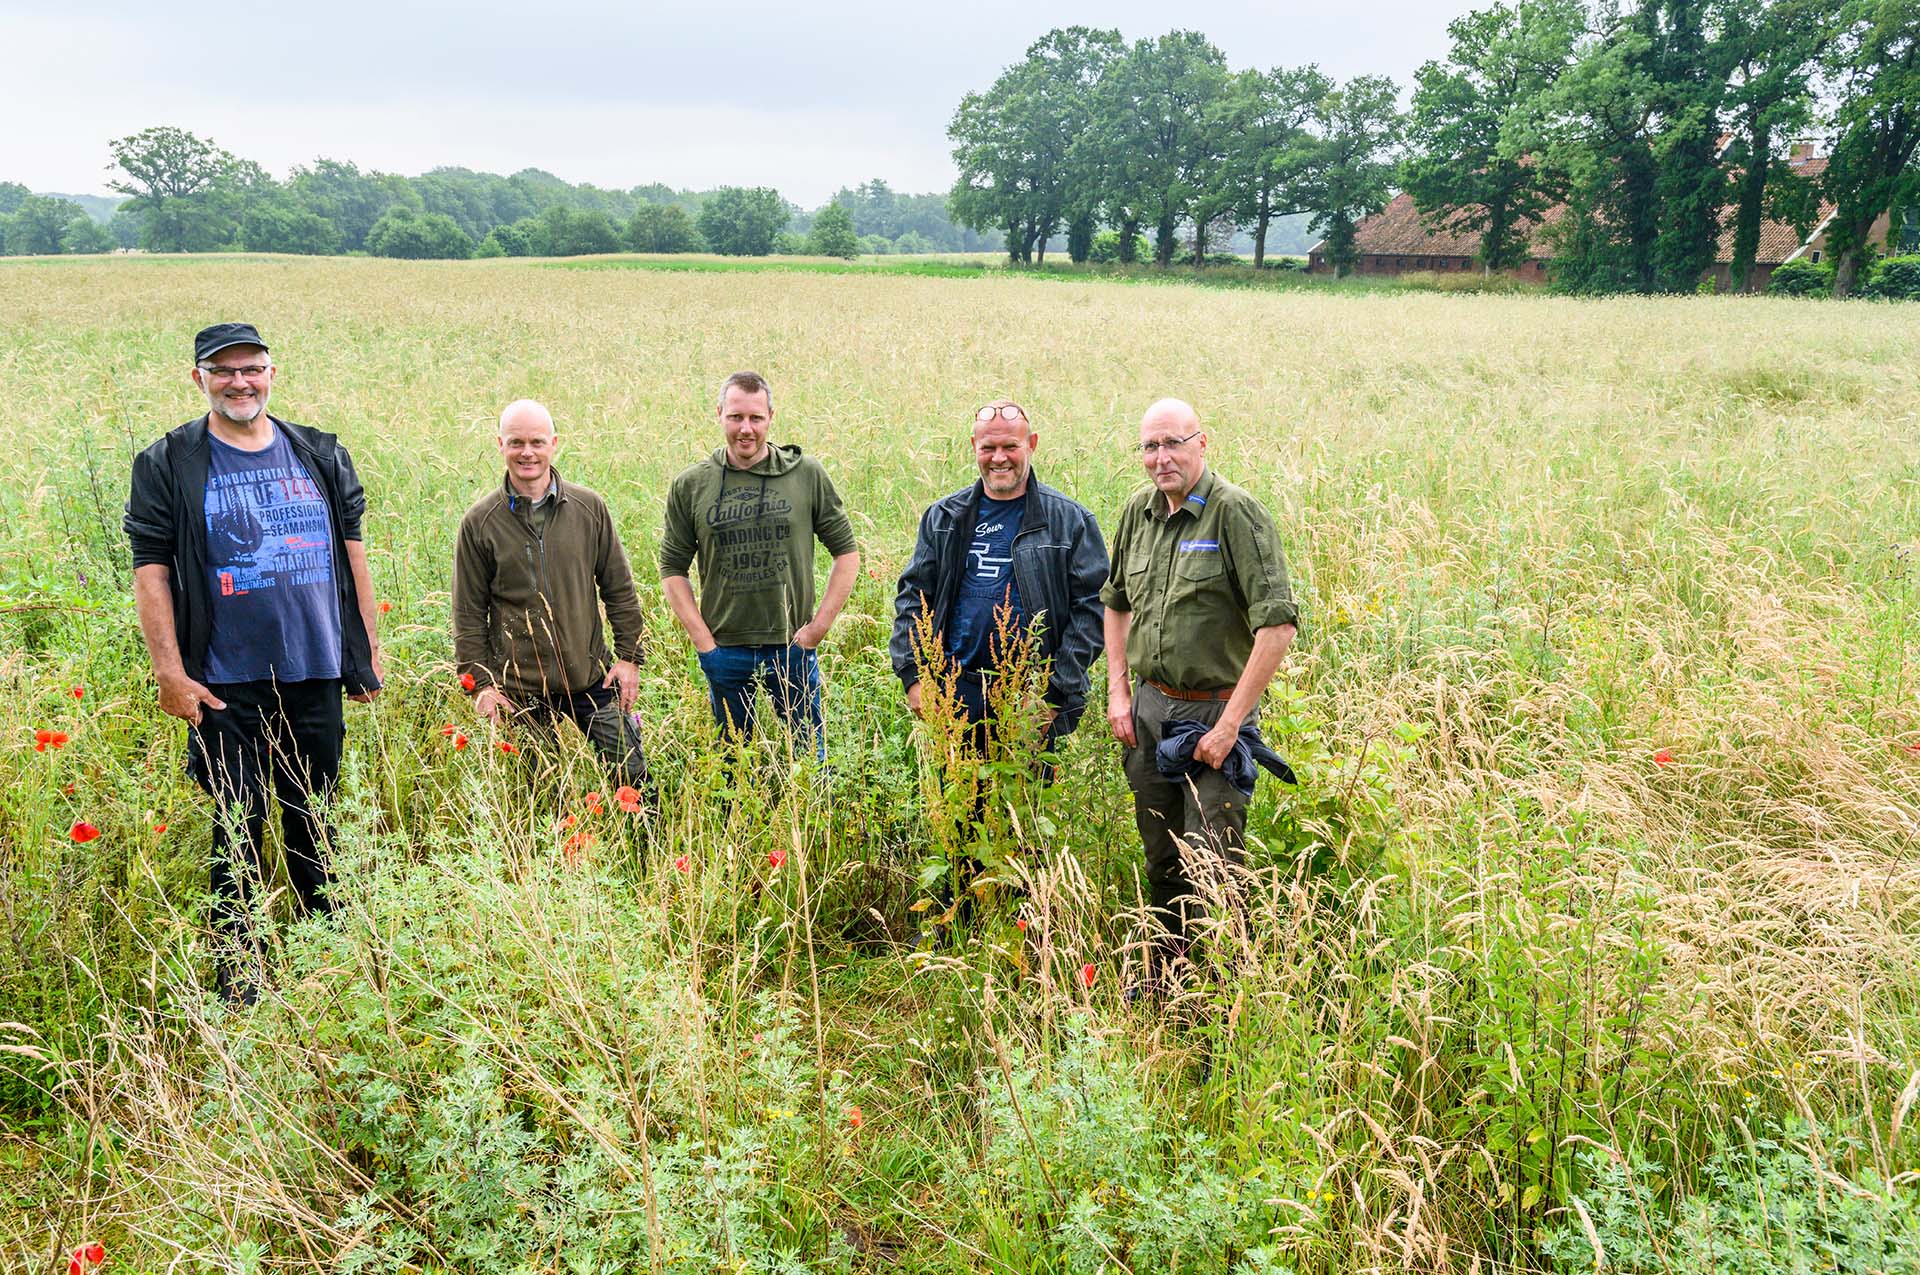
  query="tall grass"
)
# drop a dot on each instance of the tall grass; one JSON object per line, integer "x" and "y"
{"x": 1589, "y": 936}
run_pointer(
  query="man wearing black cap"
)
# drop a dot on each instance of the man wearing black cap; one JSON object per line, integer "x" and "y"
{"x": 253, "y": 593}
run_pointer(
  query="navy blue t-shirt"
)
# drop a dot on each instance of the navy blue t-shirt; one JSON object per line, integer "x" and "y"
{"x": 987, "y": 584}
{"x": 276, "y": 612}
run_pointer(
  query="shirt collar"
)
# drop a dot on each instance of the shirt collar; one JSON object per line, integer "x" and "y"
{"x": 515, "y": 499}
{"x": 1195, "y": 503}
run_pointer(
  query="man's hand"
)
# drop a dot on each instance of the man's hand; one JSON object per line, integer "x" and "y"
{"x": 1120, "y": 715}
{"x": 490, "y": 701}
{"x": 627, "y": 674}
{"x": 184, "y": 698}
{"x": 810, "y": 635}
{"x": 913, "y": 699}
{"x": 379, "y": 675}
{"x": 1217, "y": 744}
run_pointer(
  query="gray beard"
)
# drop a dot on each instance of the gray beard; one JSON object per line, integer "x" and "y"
{"x": 259, "y": 406}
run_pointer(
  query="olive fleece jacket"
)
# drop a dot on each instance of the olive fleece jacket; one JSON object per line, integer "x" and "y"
{"x": 526, "y": 603}
{"x": 752, "y": 532}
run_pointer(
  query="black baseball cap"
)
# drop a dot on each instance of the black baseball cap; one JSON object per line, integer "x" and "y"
{"x": 210, "y": 341}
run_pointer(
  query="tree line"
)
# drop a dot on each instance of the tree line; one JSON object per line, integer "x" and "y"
{"x": 1641, "y": 128}
{"x": 183, "y": 193}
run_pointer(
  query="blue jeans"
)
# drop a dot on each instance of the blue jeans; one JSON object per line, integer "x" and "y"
{"x": 791, "y": 675}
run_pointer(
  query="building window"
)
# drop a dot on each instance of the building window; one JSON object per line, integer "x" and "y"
{"x": 1816, "y": 257}
{"x": 1420, "y": 263}
{"x": 1398, "y": 262}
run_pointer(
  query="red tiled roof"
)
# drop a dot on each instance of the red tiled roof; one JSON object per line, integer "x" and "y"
{"x": 1778, "y": 239}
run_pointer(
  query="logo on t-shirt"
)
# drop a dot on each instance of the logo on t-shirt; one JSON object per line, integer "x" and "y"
{"x": 1199, "y": 546}
{"x": 985, "y": 566}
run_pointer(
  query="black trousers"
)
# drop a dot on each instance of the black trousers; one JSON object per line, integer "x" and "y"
{"x": 282, "y": 739}
{"x": 613, "y": 734}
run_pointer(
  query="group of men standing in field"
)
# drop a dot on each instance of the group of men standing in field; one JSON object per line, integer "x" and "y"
{"x": 257, "y": 606}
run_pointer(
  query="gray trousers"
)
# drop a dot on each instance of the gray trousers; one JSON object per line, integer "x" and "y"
{"x": 1205, "y": 812}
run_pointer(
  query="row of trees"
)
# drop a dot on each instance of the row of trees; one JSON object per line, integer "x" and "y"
{"x": 186, "y": 194}
{"x": 1161, "y": 135}
{"x": 42, "y": 225}
{"x": 1648, "y": 124}
{"x": 1657, "y": 125}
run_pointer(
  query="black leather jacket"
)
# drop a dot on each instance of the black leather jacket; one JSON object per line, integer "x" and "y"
{"x": 1059, "y": 562}
{"x": 166, "y": 523}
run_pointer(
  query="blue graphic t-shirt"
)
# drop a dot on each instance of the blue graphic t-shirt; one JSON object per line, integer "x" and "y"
{"x": 276, "y": 613}
{"x": 987, "y": 584}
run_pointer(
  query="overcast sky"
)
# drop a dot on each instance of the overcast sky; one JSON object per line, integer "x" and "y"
{"x": 803, "y": 97}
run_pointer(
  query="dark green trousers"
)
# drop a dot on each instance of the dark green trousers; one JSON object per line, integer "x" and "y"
{"x": 1205, "y": 812}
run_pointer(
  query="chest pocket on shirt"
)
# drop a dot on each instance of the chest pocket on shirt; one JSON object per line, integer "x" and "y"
{"x": 1197, "y": 574}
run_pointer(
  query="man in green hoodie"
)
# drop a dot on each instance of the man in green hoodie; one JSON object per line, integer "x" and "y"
{"x": 750, "y": 514}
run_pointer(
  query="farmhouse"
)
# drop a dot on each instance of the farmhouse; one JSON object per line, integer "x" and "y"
{"x": 1396, "y": 240}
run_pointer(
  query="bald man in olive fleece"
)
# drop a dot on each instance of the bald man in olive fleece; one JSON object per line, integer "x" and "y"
{"x": 1199, "y": 615}
{"x": 536, "y": 559}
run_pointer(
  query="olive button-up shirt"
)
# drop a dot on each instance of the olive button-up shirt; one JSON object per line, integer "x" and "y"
{"x": 1199, "y": 582}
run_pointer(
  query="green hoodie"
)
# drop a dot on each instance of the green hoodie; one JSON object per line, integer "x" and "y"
{"x": 753, "y": 532}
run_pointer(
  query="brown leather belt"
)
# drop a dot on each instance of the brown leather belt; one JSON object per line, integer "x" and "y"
{"x": 1190, "y": 696}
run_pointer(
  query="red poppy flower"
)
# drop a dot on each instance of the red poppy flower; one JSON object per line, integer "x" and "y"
{"x": 73, "y": 1266}
{"x": 683, "y": 864}
{"x": 1663, "y": 757}
{"x": 459, "y": 742}
{"x": 83, "y": 832}
{"x": 42, "y": 738}
{"x": 80, "y": 692}
{"x": 385, "y": 606}
{"x": 575, "y": 845}
{"x": 854, "y": 1118}
{"x": 68, "y": 790}
{"x": 776, "y": 857}
{"x": 1088, "y": 973}
{"x": 1914, "y": 747}
{"x": 39, "y": 748}
{"x": 1021, "y": 924}
{"x": 561, "y": 825}
{"x": 159, "y": 827}
{"x": 505, "y": 747}
{"x": 466, "y": 681}
{"x": 446, "y": 731}
{"x": 56, "y": 739}
{"x": 628, "y": 797}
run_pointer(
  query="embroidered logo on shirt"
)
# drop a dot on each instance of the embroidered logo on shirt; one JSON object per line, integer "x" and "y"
{"x": 1199, "y": 546}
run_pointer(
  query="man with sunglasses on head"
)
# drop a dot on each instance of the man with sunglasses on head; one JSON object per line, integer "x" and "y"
{"x": 1199, "y": 615}
{"x": 1006, "y": 545}
{"x": 251, "y": 583}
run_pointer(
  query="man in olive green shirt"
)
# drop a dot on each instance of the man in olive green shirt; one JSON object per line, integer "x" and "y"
{"x": 1199, "y": 614}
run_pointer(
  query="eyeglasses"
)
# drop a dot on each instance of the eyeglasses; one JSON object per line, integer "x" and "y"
{"x": 1006, "y": 412}
{"x": 251, "y": 371}
{"x": 1159, "y": 445}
